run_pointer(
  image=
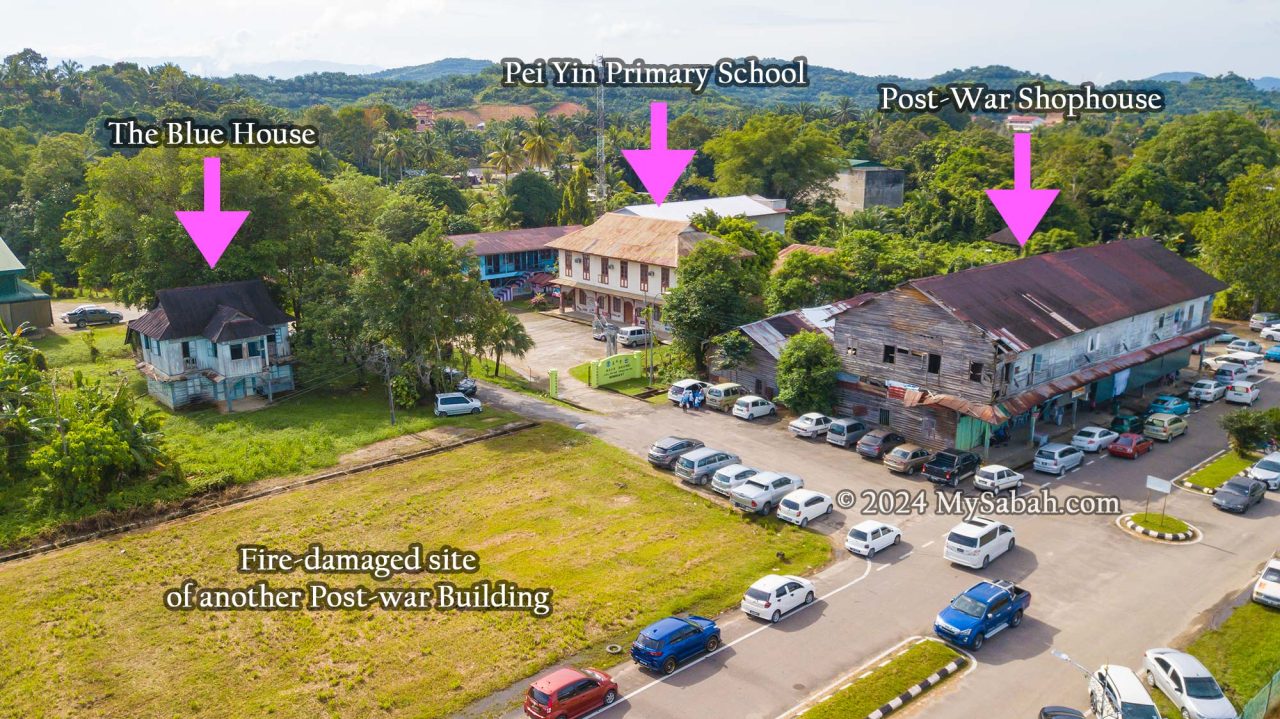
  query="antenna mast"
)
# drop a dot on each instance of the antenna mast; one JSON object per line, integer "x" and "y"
{"x": 601, "y": 180}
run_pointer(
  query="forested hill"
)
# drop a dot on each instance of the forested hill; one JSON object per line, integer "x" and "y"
{"x": 458, "y": 82}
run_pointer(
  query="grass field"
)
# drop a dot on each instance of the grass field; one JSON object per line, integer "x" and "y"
{"x": 303, "y": 432}
{"x": 869, "y": 693}
{"x": 1244, "y": 652}
{"x": 1212, "y": 475}
{"x": 1160, "y": 523}
{"x": 84, "y": 632}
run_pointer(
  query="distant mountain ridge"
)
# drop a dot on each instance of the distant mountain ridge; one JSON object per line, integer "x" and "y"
{"x": 432, "y": 70}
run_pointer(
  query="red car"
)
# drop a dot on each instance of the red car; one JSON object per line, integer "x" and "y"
{"x": 1131, "y": 445}
{"x": 567, "y": 693}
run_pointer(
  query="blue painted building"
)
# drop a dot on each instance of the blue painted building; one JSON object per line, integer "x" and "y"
{"x": 214, "y": 343}
{"x": 511, "y": 260}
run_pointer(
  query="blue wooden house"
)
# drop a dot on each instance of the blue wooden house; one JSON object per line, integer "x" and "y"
{"x": 20, "y": 302}
{"x": 214, "y": 343}
{"x": 511, "y": 261}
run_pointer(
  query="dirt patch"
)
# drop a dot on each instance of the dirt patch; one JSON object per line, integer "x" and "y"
{"x": 403, "y": 445}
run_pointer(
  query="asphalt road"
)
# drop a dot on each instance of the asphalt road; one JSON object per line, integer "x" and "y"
{"x": 1099, "y": 594}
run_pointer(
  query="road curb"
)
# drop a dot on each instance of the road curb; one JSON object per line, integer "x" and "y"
{"x": 906, "y": 697}
{"x": 191, "y": 511}
{"x": 1190, "y": 535}
{"x": 1195, "y": 488}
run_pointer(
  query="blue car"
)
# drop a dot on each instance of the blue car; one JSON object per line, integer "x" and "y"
{"x": 1168, "y": 404}
{"x": 1273, "y": 354}
{"x": 667, "y": 642}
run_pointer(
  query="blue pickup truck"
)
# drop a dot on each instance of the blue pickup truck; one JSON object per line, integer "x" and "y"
{"x": 983, "y": 611}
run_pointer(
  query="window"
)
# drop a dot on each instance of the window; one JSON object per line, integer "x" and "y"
{"x": 666, "y": 278}
{"x": 975, "y": 371}
{"x": 890, "y": 354}
{"x": 935, "y": 363}
{"x": 567, "y": 265}
{"x": 623, "y": 269}
{"x": 1036, "y": 361}
{"x": 186, "y": 350}
{"x": 617, "y": 305}
{"x": 1160, "y": 322}
{"x": 604, "y": 270}
{"x": 237, "y": 351}
{"x": 213, "y": 350}
{"x": 586, "y": 267}
{"x": 255, "y": 349}
{"x": 1094, "y": 342}
{"x": 884, "y": 417}
{"x": 644, "y": 278}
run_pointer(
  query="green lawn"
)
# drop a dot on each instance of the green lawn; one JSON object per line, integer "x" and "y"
{"x": 507, "y": 378}
{"x": 300, "y": 433}
{"x": 84, "y": 632}
{"x": 1157, "y": 523}
{"x": 581, "y": 373}
{"x": 1212, "y": 475}
{"x": 869, "y": 693}
{"x": 1244, "y": 652}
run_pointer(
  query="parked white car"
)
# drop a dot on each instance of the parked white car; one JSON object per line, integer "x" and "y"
{"x": 803, "y": 506}
{"x": 1094, "y": 439}
{"x": 451, "y": 403}
{"x": 1267, "y": 589}
{"x": 997, "y": 478}
{"x": 976, "y": 542}
{"x": 1115, "y": 692}
{"x": 1243, "y": 345}
{"x": 1056, "y": 458}
{"x": 1266, "y": 470}
{"x": 812, "y": 424}
{"x": 751, "y": 407}
{"x": 677, "y": 389}
{"x": 773, "y": 596}
{"x": 727, "y": 479}
{"x": 764, "y": 491}
{"x": 1272, "y": 333}
{"x": 1207, "y": 390}
{"x": 869, "y": 537}
{"x": 1241, "y": 392}
{"x": 1187, "y": 683}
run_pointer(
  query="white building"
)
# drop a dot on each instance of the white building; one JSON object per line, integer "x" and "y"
{"x": 768, "y": 214}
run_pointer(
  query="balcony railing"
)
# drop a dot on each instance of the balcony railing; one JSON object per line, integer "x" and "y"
{"x": 241, "y": 367}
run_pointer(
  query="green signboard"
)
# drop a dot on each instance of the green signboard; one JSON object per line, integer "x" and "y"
{"x": 617, "y": 368}
{"x": 553, "y": 383}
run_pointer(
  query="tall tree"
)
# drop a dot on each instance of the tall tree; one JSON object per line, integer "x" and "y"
{"x": 506, "y": 154}
{"x": 534, "y": 197}
{"x": 806, "y": 280}
{"x": 508, "y": 337}
{"x": 540, "y": 144}
{"x": 1239, "y": 242}
{"x": 575, "y": 203}
{"x": 775, "y": 155}
{"x": 713, "y": 294}
{"x": 807, "y": 371}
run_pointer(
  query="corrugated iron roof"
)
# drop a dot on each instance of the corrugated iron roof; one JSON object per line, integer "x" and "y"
{"x": 745, "y": 205}
{"x": 494, "y": 243}
{"x": 1039, "y": 299}
{"x": 772, "y": 333}
{"x": 638, "y": 239}
{"x": 187, "y": 311}
{"x": 8, "y": 261}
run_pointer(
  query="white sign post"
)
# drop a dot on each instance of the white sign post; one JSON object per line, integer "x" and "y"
{"x": 1163, "y": 486}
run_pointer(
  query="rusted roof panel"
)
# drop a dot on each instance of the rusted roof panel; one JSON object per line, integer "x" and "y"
{"x": 495, "y": 243}
{"x": 1039, "y": 299}
{"x": 772, "y": 333}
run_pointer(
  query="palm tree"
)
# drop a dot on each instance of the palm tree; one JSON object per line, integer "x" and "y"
{"x": 507, "y": 154}
{"x": 845, "y": 111}
{"x": 500, "y": 213}
{"x": 540, "y": 143}
{"x": 509, "y": 337}
{"x": 426, "y": 150}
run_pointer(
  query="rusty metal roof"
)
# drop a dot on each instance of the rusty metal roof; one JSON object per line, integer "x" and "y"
{"x": 639, "y": 239}
{"x": 1039, "y": 299}
{"x": 495, "y": 243}
{"x": 797, "y": 247}
{"x": 772, "y": 333}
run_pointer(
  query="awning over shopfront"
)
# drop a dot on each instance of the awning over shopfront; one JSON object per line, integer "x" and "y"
{"x": 1002, "y": 411}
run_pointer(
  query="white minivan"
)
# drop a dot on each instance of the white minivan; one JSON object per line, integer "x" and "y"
{"x": 1056, "y": 458}
{"x": 1251, "y": 361}
{"x": 633, "y": 336}
{"x": 451, "y": 403}
{"x": 1229, "y": 372}
{"x": 976, "y": 542}
{"x": 1241, "y": 392}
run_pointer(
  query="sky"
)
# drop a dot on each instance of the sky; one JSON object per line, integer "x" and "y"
{"x": 1073, "y": 40}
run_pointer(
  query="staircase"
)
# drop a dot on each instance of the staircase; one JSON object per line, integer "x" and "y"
{"x": 514, "y": 285}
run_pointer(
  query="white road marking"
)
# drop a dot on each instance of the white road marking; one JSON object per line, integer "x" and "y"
{"x": 930, "y": 542}
{"x": 740, "y": 639}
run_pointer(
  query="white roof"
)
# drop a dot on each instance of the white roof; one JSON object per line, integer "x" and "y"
{"x": 870, "y": 525}
{"x": 975, "y": 527}
{"x": 770, "y": 582}
{"x": 800, "y": 495}
{"x": 722, "y": 206}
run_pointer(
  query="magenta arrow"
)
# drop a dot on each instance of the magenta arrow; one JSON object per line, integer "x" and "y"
{"x": 1022, "y": 207}
{"x": 212, "y": 228}
{"x": 658, "y": 168}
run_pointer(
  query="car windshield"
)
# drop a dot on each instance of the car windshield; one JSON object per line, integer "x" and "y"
{"x": 1203, "y": 688}
{"x": 539, "y": 697}
{"x": 962, "y": 540}
{"x": 1271, "y": 575}
{"x": 759, "y": 595}
{"x": 1126, "y": 441}
{"x": 1129, "y": 710}
{"x": 1234, "y": 488}
{"x": 968, "y": 605}
{"x": 1268, "y": 465}
{"x": 861, "y": 536}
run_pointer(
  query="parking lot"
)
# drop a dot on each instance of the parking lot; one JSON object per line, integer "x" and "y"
{"x": 1083, "y": 571}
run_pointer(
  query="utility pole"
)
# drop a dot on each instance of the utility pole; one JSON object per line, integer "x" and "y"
{"x": 381, "y": 361}
{"x": 602, "y": 182}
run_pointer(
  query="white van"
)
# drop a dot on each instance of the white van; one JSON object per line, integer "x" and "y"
{"x": 1241, "y": 392}
{"x": 633, "y": 336}
{"x": 975, "y": 542}
{"x": 1251, "y": 361}
{"x": 1229, "y": 372}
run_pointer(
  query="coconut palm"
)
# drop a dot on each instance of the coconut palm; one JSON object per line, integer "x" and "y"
{"x": 508, "y": 337}
{"x": 507, "y": 155}
{"x": 540, "y": 143}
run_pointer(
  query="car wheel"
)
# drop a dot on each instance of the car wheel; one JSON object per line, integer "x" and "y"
{"x": 438, "y": 413}
{"x": 1095, "y": 704}
{"x": 911, "y": 472}
{"x": 1017, "y": 618}
{"x": 977, "y": 642}
{"x": 804, "y": 522}
{"x": 610, "y": 697}
{"x": 986, "y": 561}
{"x": 669, "y": 666}
{"x": 777, "y": 617}
{"x": 871, "y": 553}
{"x": 1185, "y": 715}
{"x": 80, "y": 325}
{"x": 897, "y": 538}
{"x": 829, "y": 508}
{"x": 1151, "y": 679}
{"x": 713, "y": 644}
{"x": 808, "y": 598}
{"x": 773, "y": 411}
{"x": 1012, "y": 543}
{"x": 475, "y": 410}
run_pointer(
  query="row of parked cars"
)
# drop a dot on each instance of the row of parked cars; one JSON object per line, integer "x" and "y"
{"x": 1117, "y": 692}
